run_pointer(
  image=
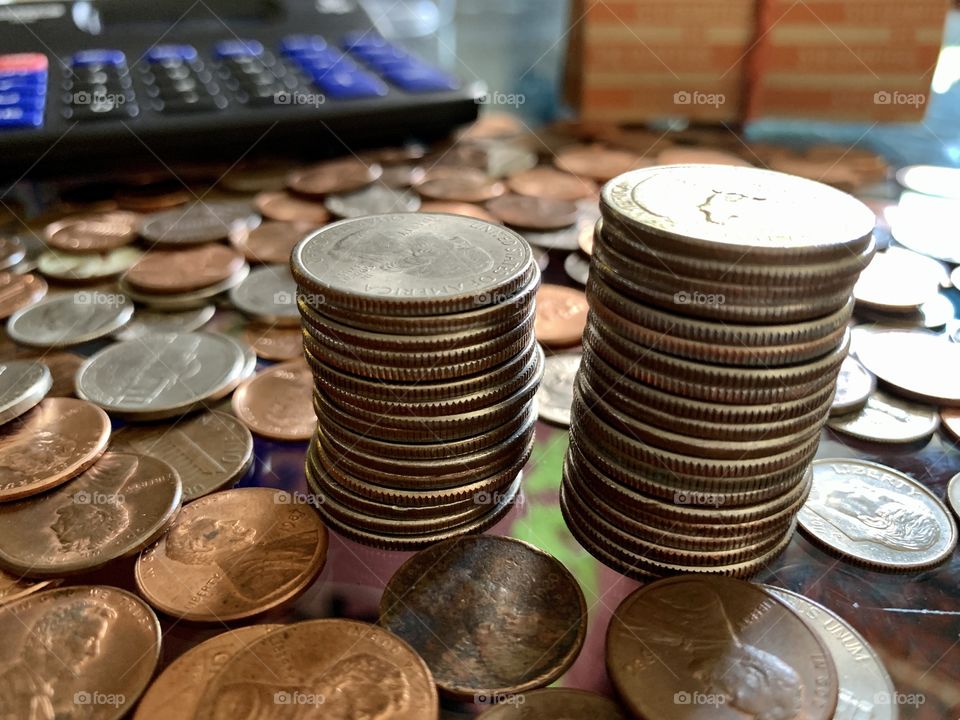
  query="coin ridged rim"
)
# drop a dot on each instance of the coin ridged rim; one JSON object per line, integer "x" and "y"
{"x": 214, "y": 233}
{"x": 122, "y": 312}
{"x": 29, "y": 397}
{"x": 184, "y": 301}
{"x": 126, "y": 218}
{"x": 845, "y": 424}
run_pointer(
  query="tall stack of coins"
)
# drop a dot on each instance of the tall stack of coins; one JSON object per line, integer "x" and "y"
{"x": 419, "y": 330}
{"x": 719, "y": 304}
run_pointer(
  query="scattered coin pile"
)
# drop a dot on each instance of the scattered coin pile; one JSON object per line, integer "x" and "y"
{"x": 420, "y": 333}
{"x": 719, "y": 302}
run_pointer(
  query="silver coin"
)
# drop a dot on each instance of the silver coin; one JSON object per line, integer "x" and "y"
{"x": 927, "y": 225}
{"x": 876, "y": 515}
{"x": 955, "y": 277}
{"x": 888, "y": 419}
{"x": 185, "y": 301}
{"x": 12, "y": 251}
{"x": 930, "y": 180}
{"x": 541, "y": 257}
{"x": 145, "y": 322}
{"x": 505, "y": 159}
{"x": 160, "y": 376}
{"x": 866, "y": 689}
{"x": 196, "y": 223}
{"x": 854, "y": 386}
{"x": 372, "y": 200}
{"x": 953, "y": 493}
{"x": 555, "y": 395}
{"x": 23, "y": 384}
{"x": 70, "y": 319}
{"x": 268, "y": 294}
{"x": 918, "y": 365}
{"x": 87, "y": 267}
{"x": 34, "y": 245}
{"x": 935, "y": 313}
{"x": 899, "y": 280}
{"x": 564, "y": 239}
{"x": 577, "y": 267}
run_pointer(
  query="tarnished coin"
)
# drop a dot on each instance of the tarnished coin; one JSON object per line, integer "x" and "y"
{"x": 458, "y": 208}
{"x": 866, "y": 689}
{"x": 145, "y": 322}
{"x": 54, "y": 442}
{"x": 333, "y": 176}
{"x": 175, "y": 694}
{"x": 271, "y": 241}
{"x": 553, "y": 704}
{"x": 577, "y": 267}
{"x": 533, "y": 213}
{"x": 13, "y": 588}
{"x": 950, "y": 420}
{"x": 23, "y": 384}
{"x": 93, "y": 233}
{"x": 12, "y": 251}
{"x": 115, "y": 508}
{"x": 877, "y": 516}
{"x": 19, "y": 291}
{"x": 555, "y": 395}
{"x": 472, "y": 610}
{"x": 459, "y": 184}
{"x": 885, "y": 418}
{"x": 372, "y": 200}
{"x": 185, "y": 269}
{"x": 209, "y": 451}
{"x": 290, "y": 208}
{"x": 69, "y": 319}
{"x": 233, "y": 554}
{"x": 274, "y": 343}
{"x": 546, "y": 182}
{"x": 854, "y": 386}
{"x": 561, "y": 315}
{"x": 77, "y": 652}
{"x": 899, "y": 280}
{"x": 718, "y": 648}
{"x": 87, "y": 268}
{"x": 160, "y": 376}
{"x": 931, "y": 180}
{"x": 324, "y": 669}
{"x": 276, "y": 403}
{"x": 268, "y": 294}
{"x": 199, "y": 222}
{"x": 916, "y": 364}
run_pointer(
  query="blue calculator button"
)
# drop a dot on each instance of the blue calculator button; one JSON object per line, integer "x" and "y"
{"x": 161, "y": 53}
{"x": 238, "y": 48}
{"x": 300, "y": 44}
{"x": 320, "y": 65}
{"x": 384, "y": 54}
{"x": 25, "y": 101}
{"x": 15, "y": 117}
{"x": 363, "y": 40}
{"x": 344, "y": 85}
{"x": 36, "y": 84}
{"x": 420, "y": 78}
{"x": 113, "y": 58}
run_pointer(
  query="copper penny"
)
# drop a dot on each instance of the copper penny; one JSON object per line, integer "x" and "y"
{"x": 233, "y": 554}
{"x": 490, "y": 615}
{"x": 209, "y": 451}
{"x": 18, "y": 291}
{"x": 324, "y": 669}
{"x": 153, "y": 196}
{"x": 98, "y": 232}
{"x": 459, "y": 184}
{"x": 285, "y": 207}
{"x": 177, "y": 692}
{"x": 13, "y": 588}
{"x": 271, "y": 241}
{"x": 533, "y": 212}
{"x": 678, "y": 155}
{"x": 276, "y": 403}
{"x": 708, "y": 646}
{"x": 53, "y": 442}
{"x": 597, "y": 162}
{"x": 561, "y": 315}
{"x": 334, "y": 176}
{"x": 553, "y": 704}
{"x": 63, "y": 368}
{"x": 274, "y": 343}
{"x": 546, "y": 182}
{"x": 115, "y": 508}
{"x": 186, "y": 270}
{"x": 458, "y": 208}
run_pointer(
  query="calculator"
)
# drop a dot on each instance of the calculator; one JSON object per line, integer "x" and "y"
{"x": 108, "y": 85}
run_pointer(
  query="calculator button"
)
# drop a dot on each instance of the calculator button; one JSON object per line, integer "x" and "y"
{"x": 420, "y": 78}
{"x": 23, "y": 65}
{"x": 17, "y": 117}
{"x": 113, "y": 58}
{"x": 294, "y": 45}
{"x": 343, "y": 85}
{"x": 25, "y": 100}
{"x": 363, "y": 40}
{"x": 162, "y": 53}
{"x": 23, "y": 89}
{"x": 238, "y": 49}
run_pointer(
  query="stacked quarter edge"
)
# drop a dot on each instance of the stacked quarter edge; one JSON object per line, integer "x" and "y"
{"x": 419, "y": 332}
{"x": 719, "y": 301}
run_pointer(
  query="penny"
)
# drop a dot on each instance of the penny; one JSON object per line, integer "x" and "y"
{"x": 19, "y": 291}
{"x": 98, "y": 232}
{"x": 877, "y": 516}
{"x": 678, "y": 155}
{"x": 268, "y": 294}
{"x": 555, "y": 395}
{"x": 950, "y": 421}
{"x": 12, "y": 251}
{"x": 285, "y": 207}
{"x": 69, "y": 319}
{"x": 274, "y": 343}
{"x": 552, "y": 704}
{"x": 865, "y": 685}
{"x": 13, "y": 588}
{"x": 597, "y": 161}
{"x": 197, "y": 223}
{"x": 325, "y": 668}
{"x": 209, "y": 451}
{"x": 276, "y": 402}
{"x": 271, "y": 241}
{"x": 145, "y": 322}
{"x": 257, "y": 176}
{"x": 395, "y": 155}
{"x": 577, "y": 268}
{"x": 561, "y": 315}
{"x": 87, "y": 268}
{"x": 953, "y": 493}
{"x": 160, "y": 376}
{"x": 87, "y": 650}
{"x": 468, "y": 607}
{"x": 232, "y": 555}
{"x": 151, "y": 196}
{"x": 545, "y": 182}
{"x": 855, "y": 384}
{"x": 931, "y": 180}
{"x": 916, "y": 364}
{"x": 115, "y": 508}
{"x": 175, "y": 302}
{"x": 333, "y": 176}
{"x": 184, "y": 270}
{"x": 885, "y": 418}
{"x": 23, "y": 384}
{"x": 699, "y": 646}
{"x": 459, "y": 184}
{"x": 458, "y": 208}
{"x": 372, "y": 200}
{"x": 898, "y": 280}
{"x": 176, "y": 693}
{"x": 532, "y": 212}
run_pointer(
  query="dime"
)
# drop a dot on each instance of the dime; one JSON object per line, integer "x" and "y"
{"x": 184, "y": 270}
{"x": 12, "y": 251}
{"x": 115, "y": 508}
{"x": 930, "y": 180}
{"x": 885, "y": 418}
{"x": 274, "y": 343}
{"x": 458, "y": 208}
{"x": 333, "y": 176}
{"x": 70, "y": 319}
{"x": 545, "y": 182}
{"x": 87, "y": 268}
{"x": 210, "y": 451}
{"x": 864, "y": 683}
{"x": 372, "y": 200}
{"x": 551, "y": 704}
{"x": 63, "y": 368}
{"x": 855, "y": 384}
{"x": 597, "y": 161}
{"x": 555, "y": 395}
{"x": 88, "y": 651}
{"x": 696, "y": 647}
{"x": 935, "y": 313}
{"x": 534, "y": 213}
{"x": 898, "y": 280}
{"x": 200, "y": 222}
{"x": 97, "y": 233}
{"x": 290, "y": 208}
{"x": 950, "y": 421}
{"x": 953, "y": 493}
{"x": 276, "y": 402}
{"x": 271, "y": 241}
{"x": 561, "y": 315}
{"x": 233, "y": 554}
{"x": 13, "y": 588}
{"x": 23, "y": 384}
{"x": 459, "y": 184}
{"x": 268, "y": 294}
{"x": 916, "y": 364}
{"x": 145, "y": 322}
{"x": 19, "y": 291}
{"x": 471, "y": 591}
{"x": 877, "y": 516}
{"x": 57, "y": 440}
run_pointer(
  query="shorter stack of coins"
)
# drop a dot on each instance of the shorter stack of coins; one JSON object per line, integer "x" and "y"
{"x": 719, "y": 303}
{"x": 419, "y": 330}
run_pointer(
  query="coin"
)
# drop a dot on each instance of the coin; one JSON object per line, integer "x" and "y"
{"x": 283, "y": 206}
{"x": 233, "y": 554}
{"x": 953, "y": 493}
{"x": 372, "y": 200}
{"x": 23, "y": 384}
{"x": 274, "y": 343}
{"x": 97, "y": 232}
{"x": 150, "y": 196}
{"x": 200, "y": 222}
{"x": 256, "y": 176}
{"x": 458, "y": 208}
{"x": 922, "y": 223}
{"x": 677, "y": 155}
{"x": 877, "y": 516}
{"x": 555, "y": 395}
{"x": 545, "y": 182}
{"x": 145, "y": 322}
{"x": 865, "y": 685}
{"x": 69, "y": 319}
{"x": 930, "y": 180}
{"x": 13, "y": 588}
{"x": 597, "y": 161}
{"x": 533, "y": 212}
{"x": 175, "y": 302}
{"x": 209, "y": 451}
{"x": 855, "y": 384}
{"x": 693, "y": 647}
{"x": 116, "y": 507}
{"x": 885, "y": 418}
{"x": 87, "y": 267}
{"x": 88, "y": 651}
{"x": 916, "y": 364}
{"x": 898, "y": 280}
{"x": 577, "y": 267}
{"x": 935, "y": 313}
{"x": 459, "y": 184}
{"x": 176, "y": 693}
{"x": 466, "y": 606}
{"x": 12, "y": 251}
{"x": 276, "y": 402}
{"x": 561, "y": 315}
{"x": 950, "y": 421}
{"x": 268, "y": 294}
{"x": 271, "y": 241}
{"x": 333, "y": 176}
{"x": 19, "y": 291}
{"x": 551, "y": 704}
{"x": 184, "y": 270}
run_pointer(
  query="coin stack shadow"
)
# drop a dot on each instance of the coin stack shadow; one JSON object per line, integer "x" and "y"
{"x": 426, "y": 410}
{"x": 708, "y": 369}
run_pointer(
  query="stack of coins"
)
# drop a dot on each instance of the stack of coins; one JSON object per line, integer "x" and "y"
{"x": 419, "y": 330}
{"x": 719, "y": 302}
